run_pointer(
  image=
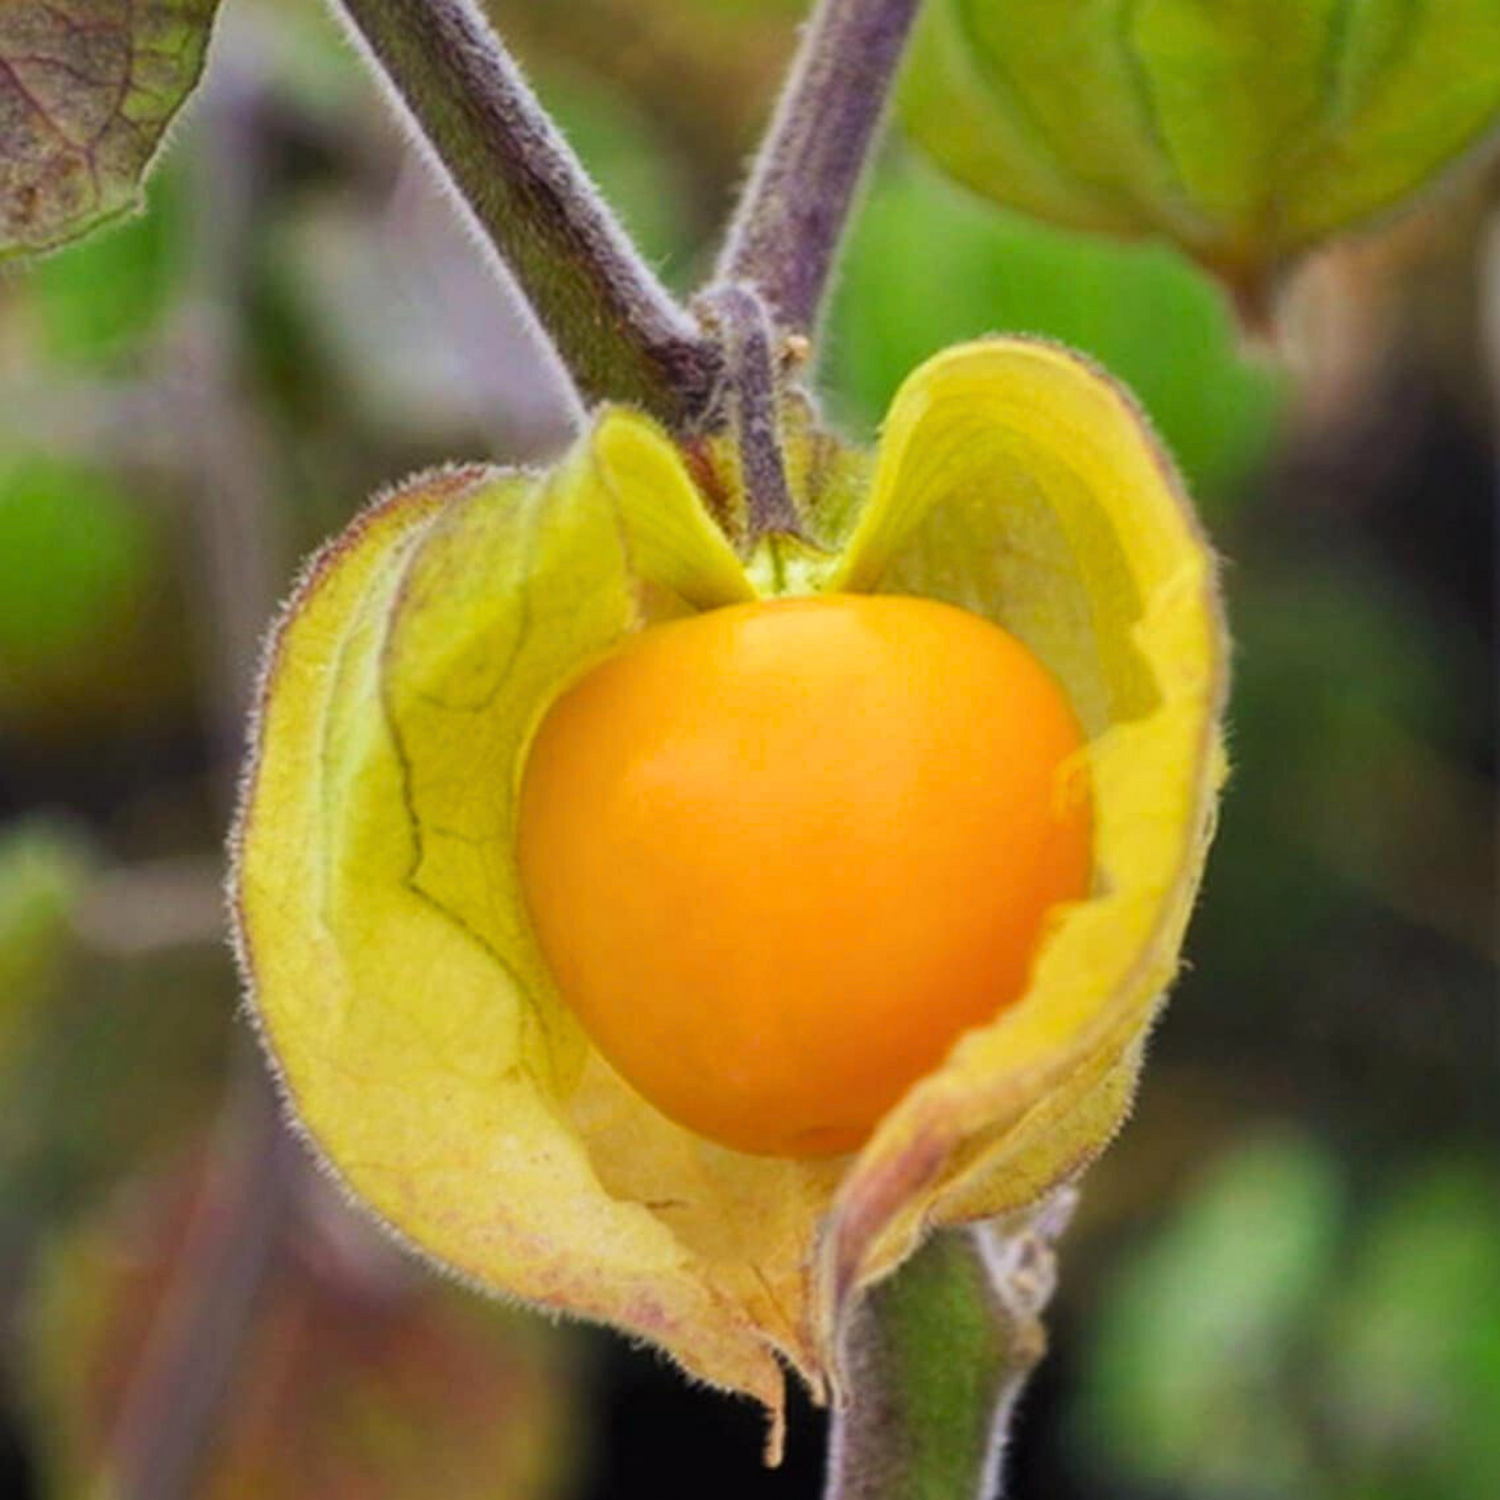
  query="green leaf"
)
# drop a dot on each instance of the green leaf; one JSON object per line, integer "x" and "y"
{"x": 1414, "y": 1362}
{"x": 75, "y": 554}
{"x": 1189, "y": 1381}
{"x": 1244, "y": 130}
{"x": 128, "y": 1059}
{"x": 87, "y": 91}
{"x": 42, "y": 870}
{"x": 96, "y": 305}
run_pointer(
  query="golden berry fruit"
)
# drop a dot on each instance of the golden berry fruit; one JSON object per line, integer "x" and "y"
{"x": 779, "y": 855}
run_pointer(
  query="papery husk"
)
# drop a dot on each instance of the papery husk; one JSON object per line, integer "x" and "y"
{"x": 391, "y": 968}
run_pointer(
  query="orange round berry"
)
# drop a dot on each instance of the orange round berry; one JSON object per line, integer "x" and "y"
{"x": 778, "y": 856}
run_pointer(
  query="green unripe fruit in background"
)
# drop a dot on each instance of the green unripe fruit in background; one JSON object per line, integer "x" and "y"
{"x": 1244, "y": 130}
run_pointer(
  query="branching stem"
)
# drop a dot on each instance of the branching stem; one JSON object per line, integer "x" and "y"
{"x": 740, "y": 324}
{"x": 789, "y": 224}
{"x": 184, "y": 1385}
{"x": 620, "y": 333}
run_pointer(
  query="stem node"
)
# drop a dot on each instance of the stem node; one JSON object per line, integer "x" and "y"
{"x": 754, "y": 376}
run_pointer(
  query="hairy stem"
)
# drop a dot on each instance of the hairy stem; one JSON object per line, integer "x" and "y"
{"x": 621, "y": 335}
{"x": 935, "y": 1359}
{"x": 787, "y": 229}
{"x": 753, "y": 360}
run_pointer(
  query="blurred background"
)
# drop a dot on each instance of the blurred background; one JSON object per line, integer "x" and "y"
{"x": 1285, "y": 1280}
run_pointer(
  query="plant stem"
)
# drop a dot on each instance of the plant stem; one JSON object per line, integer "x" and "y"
{"x": 178, "y": 1397}
{"x": 790, "y": 221}
{"x": 935, "y": 1358}
{"x": 740, "y": 324}
{"x": 183, "y": 1385}
{"x": 620, "y": 333}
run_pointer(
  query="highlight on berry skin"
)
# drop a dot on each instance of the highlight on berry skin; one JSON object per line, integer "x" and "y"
{"x": 779, "y": 856}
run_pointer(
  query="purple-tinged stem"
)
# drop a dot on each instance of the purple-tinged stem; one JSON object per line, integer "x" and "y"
{"x": 179, "y": 1397}
{"x": 739, "y": 322}
{"x": 786, "y": 231}
{"x": 619, "y": 332}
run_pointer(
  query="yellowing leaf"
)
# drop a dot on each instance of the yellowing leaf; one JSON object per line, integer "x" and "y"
{"x": 1245, "y": 132}
{"x": 87, "y": 91}
{"x": 392, "y": 964}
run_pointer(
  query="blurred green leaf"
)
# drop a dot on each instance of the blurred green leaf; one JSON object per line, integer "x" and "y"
{"x": 99, "y": 301}
{"x": 1413, "y": 1383}
{"x": 1188, "y": 1377}
{"x": 75, "y": 556}
{"x": 109, "y": 1068}
{"x": 1242, "y": 131}
{"x": 750, "y": 9}
{"x": 1332, "y": 662}
{"x": 928, "y": 266}
{"x": 42, "y": 873}
{"x": 130, "y": 1058}
{"x": 87, "y": 91}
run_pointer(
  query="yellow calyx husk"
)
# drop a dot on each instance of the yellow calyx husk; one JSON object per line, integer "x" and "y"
{"x": 399, "y": 990}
